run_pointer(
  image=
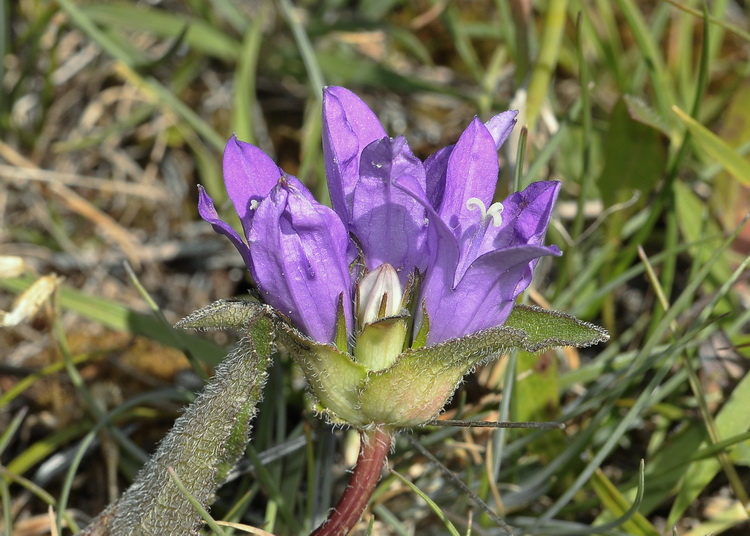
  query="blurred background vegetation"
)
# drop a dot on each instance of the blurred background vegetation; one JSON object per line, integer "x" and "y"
{"x": 111, "y": 113}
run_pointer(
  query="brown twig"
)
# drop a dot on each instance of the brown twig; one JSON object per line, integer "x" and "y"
{"x": 373, "y": 451}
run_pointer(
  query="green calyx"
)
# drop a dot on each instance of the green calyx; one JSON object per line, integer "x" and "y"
{"x": 381, "y": 383}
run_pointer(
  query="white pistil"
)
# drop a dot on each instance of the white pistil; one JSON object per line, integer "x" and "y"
{"x": 254, "y": 204}
{"x": 495, "y": 211}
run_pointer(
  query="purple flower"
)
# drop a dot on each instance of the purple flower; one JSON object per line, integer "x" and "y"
{"x": 435, "y": 217}
{"x": 297, "y": 250}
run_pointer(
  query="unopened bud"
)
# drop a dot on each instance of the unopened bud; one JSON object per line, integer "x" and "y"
{"x": 380, "y": 295}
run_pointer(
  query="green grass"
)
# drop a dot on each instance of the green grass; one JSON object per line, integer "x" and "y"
{"x": 641, "y": 109}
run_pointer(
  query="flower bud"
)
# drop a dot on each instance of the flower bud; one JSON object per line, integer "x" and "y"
{"x": 382, "y": 331}
{"x": 380, "y": 343}
{"x": 380, "y": 295}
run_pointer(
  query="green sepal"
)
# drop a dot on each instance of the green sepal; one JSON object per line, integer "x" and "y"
{"x": 422, "y": 380}
{"x": 341, "y": 341}
{"x": 409, "y": 302}
{"x": 548, "y": 329}
{"x": 424, "y": 330}
{"x": 335, "y": 379}
{"x": 225, "y": 314}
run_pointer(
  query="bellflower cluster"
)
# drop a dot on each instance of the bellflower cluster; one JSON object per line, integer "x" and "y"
{"x": 413, "y": 254}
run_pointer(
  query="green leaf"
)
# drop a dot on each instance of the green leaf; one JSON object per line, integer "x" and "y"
{"x": 641, "y": 112}
{"x": 422, "y": 380}
{"x": 635, "y": 155}
{"x": 12, "y": 428}
{"x": 650, "y": 53}
{"x": 544, "y": 329}
{"x": 731, "y": 420}
{"x": 695, "y": 223}
{"x": 380, "y": 343}
{"x": 225, "y": 314}
{"x": 728, "y": 198}
{"x": 716, "y": 148}
{"x": 204, "y": 444}
{"x": 628, "y": 518}
{"x": 201, "y": 35}
{"x": 46, "y": 447}
{"x": 536, "y": 397}
{"x": 210, "y": 521}
{"x": 420, "y": 339}
{"x": 546, "y": 62}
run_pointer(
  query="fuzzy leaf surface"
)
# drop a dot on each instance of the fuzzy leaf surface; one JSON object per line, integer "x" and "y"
{"x": 224, "y": 314}
{"x": 548, "y": 329}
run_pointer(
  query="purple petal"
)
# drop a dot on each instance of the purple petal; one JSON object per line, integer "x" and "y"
{"x": 472, "y": 173}
{"x": 299, "y": 260}
{"x": 389, "y": 224}
{"x": 208, "y": 212}
{"x": 348, "y": 127}
{"x": 442, "y": 247}
{"x": 526, "y": 215}
{"x": 436, "y": 165}
{"x": 484, "y": 297}
{"x": 501, "y": 126}
{"x": 249, "y": 175}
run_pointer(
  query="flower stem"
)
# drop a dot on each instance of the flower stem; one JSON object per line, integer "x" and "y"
{"x": 373, "y": 450}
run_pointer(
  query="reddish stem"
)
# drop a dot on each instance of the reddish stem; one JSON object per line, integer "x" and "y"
{"x": 373, "y": 451}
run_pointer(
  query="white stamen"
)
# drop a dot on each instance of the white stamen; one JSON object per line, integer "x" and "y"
{"x": 495, "y": 211}
{"x": 254, "y": 204}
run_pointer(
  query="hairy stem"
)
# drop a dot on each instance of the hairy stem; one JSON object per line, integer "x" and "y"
{"x": 373, "y": 450}
{"x": 202, "y": 447}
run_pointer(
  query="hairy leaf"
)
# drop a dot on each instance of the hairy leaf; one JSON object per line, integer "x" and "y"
{"x": 205, "y": 442}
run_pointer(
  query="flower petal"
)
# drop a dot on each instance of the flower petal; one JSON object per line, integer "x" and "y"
{"x": 349, "y": 125}
{"x": 501, "y": 126}
{"x": 471, "y": 173}
{"x": 389, "y": 224}
{"x": 441, "y": 245}
{"x": 299, "y": 260}
{"x": 208, "y": 212}
{"x": 485, "y": 295}
{"x": 249, "y": 175}
{"x": 436, "y": 165}
{"x": 442, "y": 248}
{"x": 526, "y": 215}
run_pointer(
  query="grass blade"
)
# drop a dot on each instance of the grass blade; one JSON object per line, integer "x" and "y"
{"x": 716, "y": 149}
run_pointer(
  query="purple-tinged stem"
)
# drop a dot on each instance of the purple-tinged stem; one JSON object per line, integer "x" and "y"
{"x": 373, "y": 450}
